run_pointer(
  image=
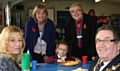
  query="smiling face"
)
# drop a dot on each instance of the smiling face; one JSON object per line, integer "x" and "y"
{"x": 14, "y": 44}
{"x": 41, "y": 15}
{"x": 62, "y": 50}
{"x": 76, "y": 12}
{"x": 106, "y": 50}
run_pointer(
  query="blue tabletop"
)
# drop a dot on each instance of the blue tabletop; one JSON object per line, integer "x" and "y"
{"x": 58, "y": 67}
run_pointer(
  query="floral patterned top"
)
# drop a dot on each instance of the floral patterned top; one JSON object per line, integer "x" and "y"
{"x": 7, "y": 64}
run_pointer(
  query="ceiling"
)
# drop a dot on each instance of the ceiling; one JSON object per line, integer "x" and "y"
{"x": 112, "y": 1}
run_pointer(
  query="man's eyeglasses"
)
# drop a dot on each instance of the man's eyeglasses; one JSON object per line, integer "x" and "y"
{"x": 106, "y": 41}
{"x": 78, "y": 10}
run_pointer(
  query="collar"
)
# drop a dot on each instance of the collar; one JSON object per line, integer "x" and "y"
{"x": 79, "y": 21}
{"x": 105, "y": 64}
{"x": 63, "y": 57}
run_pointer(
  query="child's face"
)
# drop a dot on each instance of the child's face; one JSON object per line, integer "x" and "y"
{"x": 62, "y": 50}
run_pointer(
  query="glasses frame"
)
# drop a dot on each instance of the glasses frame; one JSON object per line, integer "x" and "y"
{"x": 62, "y": 49}
{"x": 105, "y": 41}
{"x": 77, "y": 10}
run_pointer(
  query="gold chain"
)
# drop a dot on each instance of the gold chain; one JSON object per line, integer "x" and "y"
{"x": 98, "y": 62}
{"x": 113, "y": 67}
{"x": 107, "y": 69}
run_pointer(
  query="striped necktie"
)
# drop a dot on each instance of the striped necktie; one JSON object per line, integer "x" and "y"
{"x": 99, "y": 65}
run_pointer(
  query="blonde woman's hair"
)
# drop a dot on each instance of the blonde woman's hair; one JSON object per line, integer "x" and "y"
{"x": 38, "y": 7}
{"x": 5, "y": 37}
{"x": 76, "y": 4}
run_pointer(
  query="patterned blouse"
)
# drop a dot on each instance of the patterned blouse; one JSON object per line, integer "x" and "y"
{"x": 7, "y": 64}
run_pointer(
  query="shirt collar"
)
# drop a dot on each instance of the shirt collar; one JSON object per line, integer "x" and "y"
{"x": 63, "y": 57}
{"x": 105, "y": 64}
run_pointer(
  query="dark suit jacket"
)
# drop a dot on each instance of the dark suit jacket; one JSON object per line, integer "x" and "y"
{"x": 53, "y": 59}
{"x": 88, "y": 36}
{"x": 32, "y": 34}
{"x": 114, "y": 62}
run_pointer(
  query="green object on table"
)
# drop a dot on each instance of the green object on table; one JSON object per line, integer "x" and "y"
{"x": 26, "y": 61}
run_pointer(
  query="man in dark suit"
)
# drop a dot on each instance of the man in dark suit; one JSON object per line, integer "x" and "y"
{"x": 107, "y": 47}
{"x": 80, "y": 32}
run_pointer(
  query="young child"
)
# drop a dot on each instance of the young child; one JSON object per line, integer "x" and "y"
{"x": 61, "y": 54}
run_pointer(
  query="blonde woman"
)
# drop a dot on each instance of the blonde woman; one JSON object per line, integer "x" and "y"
{"x": 11, "y": 48}
{"x": 40, "y": 34}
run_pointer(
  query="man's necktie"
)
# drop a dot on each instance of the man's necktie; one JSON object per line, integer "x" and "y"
{"x": 99, "y": 65}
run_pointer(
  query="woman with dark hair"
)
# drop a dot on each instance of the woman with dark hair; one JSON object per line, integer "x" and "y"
{"x": 92, "y": 13}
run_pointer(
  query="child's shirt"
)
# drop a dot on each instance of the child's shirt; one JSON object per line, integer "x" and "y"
{"x": 63, "y": 57}
{"x": 53, "y": 59}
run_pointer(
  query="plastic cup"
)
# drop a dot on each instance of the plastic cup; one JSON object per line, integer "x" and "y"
{"x": 34, "y": 62}
{"x": 84, "y": 59}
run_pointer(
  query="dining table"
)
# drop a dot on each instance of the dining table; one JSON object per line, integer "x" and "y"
{"x": 59, "y": 67}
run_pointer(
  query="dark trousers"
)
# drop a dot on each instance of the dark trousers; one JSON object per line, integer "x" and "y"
{"x": 38, "y": 57}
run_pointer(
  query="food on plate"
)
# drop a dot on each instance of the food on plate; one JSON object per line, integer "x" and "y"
{"x": 69, "y": 63}
{"x": 78, "y": 69}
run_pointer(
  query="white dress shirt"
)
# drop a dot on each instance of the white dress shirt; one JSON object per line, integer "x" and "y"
{"x": 63, "y": 57}
{"x": 40, "y": 46}
{"x": 105, "y": 64}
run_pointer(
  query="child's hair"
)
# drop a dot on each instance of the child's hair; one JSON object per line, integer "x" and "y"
{"x": 63, "y": 42}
